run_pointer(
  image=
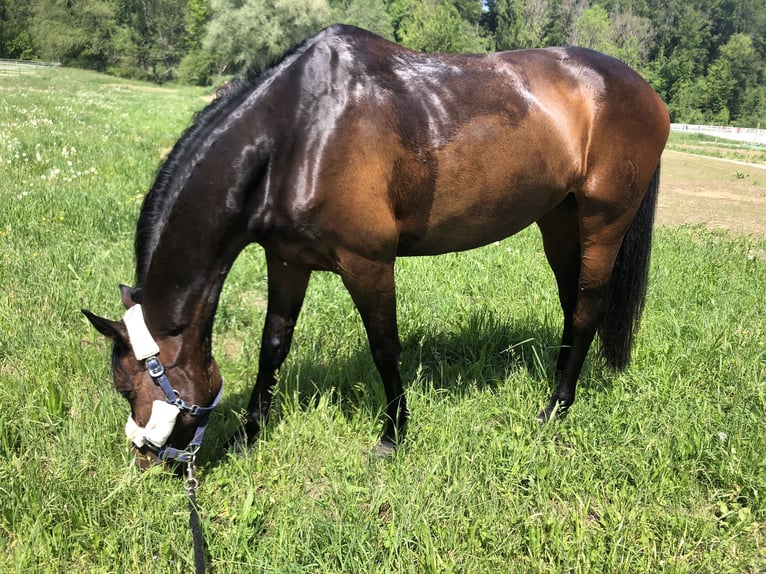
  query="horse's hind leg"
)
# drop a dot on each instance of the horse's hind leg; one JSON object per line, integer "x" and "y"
{"x": 371, "y": 285}
{"x": 602, "y": 217}
{"x": 561, "y": 241}
{"x": 286, "y": 291}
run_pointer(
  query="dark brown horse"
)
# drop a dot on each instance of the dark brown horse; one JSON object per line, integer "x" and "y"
{"x": 352, "y": 151}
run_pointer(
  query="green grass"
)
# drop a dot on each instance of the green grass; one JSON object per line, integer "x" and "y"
{"x": 658, "y": 469}
{"x": 711, "y": 146}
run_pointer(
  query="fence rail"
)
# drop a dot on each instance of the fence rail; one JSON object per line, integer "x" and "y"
{"x": 742, "y": 135}
{"x": 17, "y": 67}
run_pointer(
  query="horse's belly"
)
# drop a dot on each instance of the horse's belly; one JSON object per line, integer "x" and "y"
{"x": 491, "y": 182}
{"x": 470, "y": 228}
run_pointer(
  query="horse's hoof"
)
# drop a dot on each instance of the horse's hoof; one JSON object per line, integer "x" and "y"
{"x": 552, "y": 413}
{"x": 240, "y": 445}
{"x": 384, "y": 449}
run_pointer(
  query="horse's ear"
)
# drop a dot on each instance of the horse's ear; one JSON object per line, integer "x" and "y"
{"x": 114, "y": 330}
{"x": 130, "y": 296}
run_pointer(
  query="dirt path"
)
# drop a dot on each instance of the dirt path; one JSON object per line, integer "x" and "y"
{"x": 725, "y": 194}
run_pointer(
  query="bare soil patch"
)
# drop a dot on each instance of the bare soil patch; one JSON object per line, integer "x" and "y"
{"x": 717, "y": 193}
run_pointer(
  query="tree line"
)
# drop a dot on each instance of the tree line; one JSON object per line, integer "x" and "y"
{"x": 706, "y": 58}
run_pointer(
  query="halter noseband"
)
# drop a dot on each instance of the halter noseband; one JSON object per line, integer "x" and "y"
{"x": 164, "y": 415}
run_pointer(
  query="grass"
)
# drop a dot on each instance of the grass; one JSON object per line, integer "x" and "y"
{"x": 657, "y": 469}
{"x": 711, "y": 146}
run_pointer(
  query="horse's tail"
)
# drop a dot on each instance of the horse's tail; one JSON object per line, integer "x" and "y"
{"x": 627, "y": 287}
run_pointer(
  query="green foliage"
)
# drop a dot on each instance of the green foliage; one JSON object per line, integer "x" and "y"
{"x": 593, "y": 30}
{"x": 250, "y": 33}
{"x": 196, "y": 68}
{"x": 368, "y": 14}
{"x": 15, "y": 38}
{"x": 197, "y": 65}
{"x": 78, "y": 33}
{"x": 437, "y": 26}
{"x": 197, "y": 17}
{"x": 154, "y": 37}
{"x": 520, "y": 24}
{"x": 705, "y": 58}
{"x": 657, "y": 469}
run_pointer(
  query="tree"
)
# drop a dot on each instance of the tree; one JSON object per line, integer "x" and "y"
{"x": 196, "y": 67}
{"x": 633, "y": 37}
{"x": 368, "y": 14}
{"x": 76, "y": 32}
{"x": 153, "y": 40}
{"x": 251, "y": 33}
{"x": 752, "y": 110}
{"x": 564, "y": 15}
{"x": 593, "y": 30}
{"x": 728, "y": 77}
{"x": 434, "y": 26}
{"x": 534, "y": 15}
{"x": 470, "y": 10}
{"x": 706, "y": 58}
{"x": 15, "y": 38}
{"x": 504, "y": 22}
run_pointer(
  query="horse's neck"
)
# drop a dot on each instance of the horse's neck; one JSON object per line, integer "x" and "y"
{"x": 206, "y": 228}
{"x": 189, "y": 265}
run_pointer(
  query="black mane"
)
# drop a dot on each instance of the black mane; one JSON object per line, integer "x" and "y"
{"x": 163, "y": 194}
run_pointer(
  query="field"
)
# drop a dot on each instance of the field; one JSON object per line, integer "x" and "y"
{"x": 657, "y": 469}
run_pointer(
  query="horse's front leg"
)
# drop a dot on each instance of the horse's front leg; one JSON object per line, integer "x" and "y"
{"x": 286, "y": 291}
{"x": 371, "y": 285}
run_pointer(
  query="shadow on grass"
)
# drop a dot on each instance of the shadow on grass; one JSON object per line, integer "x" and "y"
{"x": 479, "y": 355}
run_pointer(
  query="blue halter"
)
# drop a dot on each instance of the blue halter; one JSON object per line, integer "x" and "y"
{"x": 157, "y": 372}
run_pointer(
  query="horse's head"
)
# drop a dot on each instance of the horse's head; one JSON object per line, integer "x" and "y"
{"x": 171, "y": 386}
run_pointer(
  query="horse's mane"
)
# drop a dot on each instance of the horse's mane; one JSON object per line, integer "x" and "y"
{"x": 166, "y": 189}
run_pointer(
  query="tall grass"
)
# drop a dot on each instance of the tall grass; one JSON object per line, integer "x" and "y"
{"x": 711, "y": 146}
{"x": 658, "y": 469}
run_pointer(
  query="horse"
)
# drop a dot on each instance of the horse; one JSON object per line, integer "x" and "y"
{"x": 351, "y": 151}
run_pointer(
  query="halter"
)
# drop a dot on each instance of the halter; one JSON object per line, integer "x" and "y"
{"x": 164, "y": 414}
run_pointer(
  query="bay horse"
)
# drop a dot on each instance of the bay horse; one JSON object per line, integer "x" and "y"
{"x": 351, "y": 151}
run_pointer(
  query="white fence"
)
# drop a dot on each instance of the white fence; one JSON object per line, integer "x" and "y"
{"x": 741, "y": 135}
{"x": 18, "y": 67}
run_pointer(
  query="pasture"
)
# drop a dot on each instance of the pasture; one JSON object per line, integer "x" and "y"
{"x": 658, "y": 469}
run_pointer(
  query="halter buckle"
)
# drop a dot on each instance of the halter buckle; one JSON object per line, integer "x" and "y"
{"x": 154, "y": 367}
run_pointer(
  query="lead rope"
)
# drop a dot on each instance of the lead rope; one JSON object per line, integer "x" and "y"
{"x": 199, "y": 543}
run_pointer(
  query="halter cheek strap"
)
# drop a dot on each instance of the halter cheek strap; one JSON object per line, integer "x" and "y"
{"x": 164, "y": 414}
{"x": 144, "y": 345}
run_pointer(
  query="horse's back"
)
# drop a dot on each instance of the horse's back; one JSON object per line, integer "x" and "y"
{"x": 427, "y": 153}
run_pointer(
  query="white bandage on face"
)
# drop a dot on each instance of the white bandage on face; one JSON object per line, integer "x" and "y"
{"x": 158, "y": 429}
{"x": 164, "y": 415}
{"x": 134, "y": 432}
{"x": 144, "y": 345}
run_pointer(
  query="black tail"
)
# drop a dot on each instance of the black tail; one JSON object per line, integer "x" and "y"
{"x": 627, "y": 288}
